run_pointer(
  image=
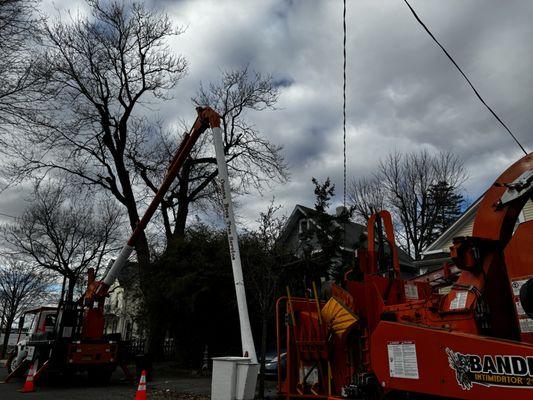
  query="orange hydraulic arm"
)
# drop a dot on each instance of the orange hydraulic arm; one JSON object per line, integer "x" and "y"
{"x": 383, "y": 220}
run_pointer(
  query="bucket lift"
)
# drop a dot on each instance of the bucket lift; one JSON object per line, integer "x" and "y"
{"x": 78, "y": 341}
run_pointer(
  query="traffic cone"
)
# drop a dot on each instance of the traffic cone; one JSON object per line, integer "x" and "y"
{"x": 28, "y": 385}
{"x": 141, "y": 389}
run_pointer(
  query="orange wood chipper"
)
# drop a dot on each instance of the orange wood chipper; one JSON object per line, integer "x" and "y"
{"x": 381, "y": 336}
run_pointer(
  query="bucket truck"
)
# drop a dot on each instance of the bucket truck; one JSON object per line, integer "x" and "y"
{"x": 77, "y": 340}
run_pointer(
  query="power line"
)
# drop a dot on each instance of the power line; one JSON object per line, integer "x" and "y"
{"x": 345, "y": 217}
{"x": 7, "y": 215}
{"x": 464, "y": 76}
{"x": 344, "y": 97}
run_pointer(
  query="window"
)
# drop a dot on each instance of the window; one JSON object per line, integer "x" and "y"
{"x": 50, "y": 320}
{"x": 304, "y": 226}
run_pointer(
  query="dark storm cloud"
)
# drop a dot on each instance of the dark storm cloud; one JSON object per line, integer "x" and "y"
{"x": 13, "y": 202}
{"x": 403, "y": 93}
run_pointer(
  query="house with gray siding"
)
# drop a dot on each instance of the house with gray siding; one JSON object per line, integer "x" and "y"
{"x": 303, "y": 219}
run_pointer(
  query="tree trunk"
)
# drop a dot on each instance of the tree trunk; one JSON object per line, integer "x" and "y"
{"x": 156, "y": 330}
{"x": 166, "y": 221}
{"x": 71, "y": 286}
{"x": 181, "y": 219}
{"x": 141, "y": 246}
{"x": 142, "y": 250}
{"x": 9, "y": 322}
{"x": 2, "y": 318}
{"x": 183, "y": 202}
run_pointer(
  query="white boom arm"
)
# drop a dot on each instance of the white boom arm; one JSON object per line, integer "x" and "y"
{"x": 206, "y": 118}
{"x": 247, "y": 339}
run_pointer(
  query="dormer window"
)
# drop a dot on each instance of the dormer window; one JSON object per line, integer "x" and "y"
{"x": 304, "y": 226}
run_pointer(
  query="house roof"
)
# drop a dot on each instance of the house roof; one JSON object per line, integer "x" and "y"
{"x": 463, "y": 227}
{"x": 351, "y": 239}
{"x": 447, "y": 236}
{"x": 353, "y": 230}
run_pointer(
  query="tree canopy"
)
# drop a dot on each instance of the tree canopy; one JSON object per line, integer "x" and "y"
{"x": 421, "y": 190}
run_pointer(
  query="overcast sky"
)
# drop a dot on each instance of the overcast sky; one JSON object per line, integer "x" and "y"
{"x": 403, "y": 93}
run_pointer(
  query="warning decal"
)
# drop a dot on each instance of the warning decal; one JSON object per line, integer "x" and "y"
{"x": 402, "y": 360}
{"x": 517, "y": 285}
{"x": 526, "y": 324}
{"x": 411, "y": 292}
{"x": 519, "y": 309}
{"x": 459, "y": 301}
{"x": 309, "y": 374}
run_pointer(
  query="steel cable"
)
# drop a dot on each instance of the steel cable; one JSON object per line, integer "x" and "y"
{"x": 344, "y": 98}
{"x": 464, "y": 76}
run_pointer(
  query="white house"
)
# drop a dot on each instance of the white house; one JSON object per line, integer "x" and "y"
{"x": 438, "y": 252}
{"x": 123, "y": 306}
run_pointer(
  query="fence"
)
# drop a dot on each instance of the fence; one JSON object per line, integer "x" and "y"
{"x": 138, "y": 346}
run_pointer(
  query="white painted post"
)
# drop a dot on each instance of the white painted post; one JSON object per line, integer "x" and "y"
{"x": 247, "y": 339}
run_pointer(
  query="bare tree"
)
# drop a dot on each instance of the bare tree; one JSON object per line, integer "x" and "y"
{"x": 66, "y": 233}
{"x": 22, "y": 285}
{"x": 253, "y": 161}
{"x": 98, "y": 69}
{"x": 262, "y": 251}
{"x": 19, "y": 88}
{"x": 366, "y": 196}
{"x": 405, "y": 184}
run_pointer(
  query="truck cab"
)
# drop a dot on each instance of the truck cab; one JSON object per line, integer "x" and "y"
{"x": 35, "y": 324}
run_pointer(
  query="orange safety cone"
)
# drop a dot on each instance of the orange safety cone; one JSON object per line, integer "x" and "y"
{"x": 28, "y": 385}
{"x": 141, "y": 389}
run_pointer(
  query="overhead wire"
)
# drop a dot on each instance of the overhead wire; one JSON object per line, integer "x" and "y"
{"x": 464, "y": 76}
{"x": 344, "y": 98}
{"x": 344, "y": 210}
{"x": 7, "y": 215}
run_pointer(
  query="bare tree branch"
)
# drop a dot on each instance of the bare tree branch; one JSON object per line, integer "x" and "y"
{"x": 19, "y": 87}
{"x": 254, "y": 162}
{"x": 65, "y": 232}
{"x": 98, "y": 69}
{"x": 405, "y": 183}
{"x": 22, "y": 285}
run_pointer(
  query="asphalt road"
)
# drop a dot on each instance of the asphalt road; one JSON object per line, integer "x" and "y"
{"x": 165, "y": 387}
{"x": 169, "y": 384}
